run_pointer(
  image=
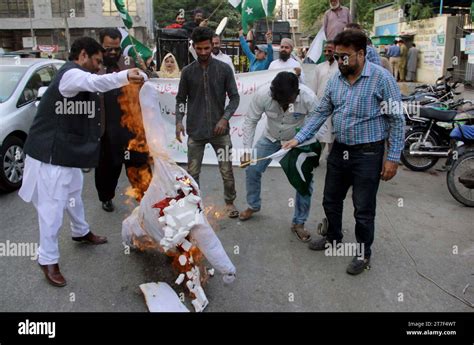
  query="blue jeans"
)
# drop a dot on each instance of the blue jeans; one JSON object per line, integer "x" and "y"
{"x": 264, "y": 147}
{"x": 359, "y": 167}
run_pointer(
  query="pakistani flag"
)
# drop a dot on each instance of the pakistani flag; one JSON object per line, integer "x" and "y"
{"x": 298, "y": 164}
{"x": 127, "y": 20}
{"x": 315, "y": 52}
{"x": 253, "y": 10}
{"x": 127, "y": 44}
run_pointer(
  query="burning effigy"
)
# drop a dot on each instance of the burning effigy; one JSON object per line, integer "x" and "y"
{"x": 171, "y": 216}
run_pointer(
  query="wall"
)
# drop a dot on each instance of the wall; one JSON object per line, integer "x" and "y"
{"x": 386, "y": 21}
{"x": 93, "y": 17}
{"x": 435, "y": 38}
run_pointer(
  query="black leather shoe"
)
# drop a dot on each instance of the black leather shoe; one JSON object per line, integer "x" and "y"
{"x": 358, "y": 265}
{"x": 108, "y": 206}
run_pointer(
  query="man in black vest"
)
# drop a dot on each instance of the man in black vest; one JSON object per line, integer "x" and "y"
{"x": 115, "y": 137}
{"x": 65, "y": 137}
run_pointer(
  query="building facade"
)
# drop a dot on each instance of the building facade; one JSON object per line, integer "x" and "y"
{"x": 438, "y": 39}
{"x": 59, "y": 22}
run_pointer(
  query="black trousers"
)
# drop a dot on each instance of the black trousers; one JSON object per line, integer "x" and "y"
{"x": 360, "y": 167}
{"x": 108, "y": 171}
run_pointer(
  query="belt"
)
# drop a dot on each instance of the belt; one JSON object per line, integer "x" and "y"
{"x": 363, "y": 146}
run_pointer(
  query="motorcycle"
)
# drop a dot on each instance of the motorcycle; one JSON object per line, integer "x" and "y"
{"x": 460, "y": 177}
{"x": 424, "y": 95}
{"x": 428, "y": 139}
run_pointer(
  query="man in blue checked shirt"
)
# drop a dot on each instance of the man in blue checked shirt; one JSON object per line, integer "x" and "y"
{"x": 372, "y": 54}
{"x": 364, "y": 100}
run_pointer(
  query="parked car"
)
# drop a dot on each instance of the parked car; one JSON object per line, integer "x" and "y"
{"x": 20, "y": 80}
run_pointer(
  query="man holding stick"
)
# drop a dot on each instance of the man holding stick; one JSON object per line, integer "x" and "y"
{"x": 287, "y": 104}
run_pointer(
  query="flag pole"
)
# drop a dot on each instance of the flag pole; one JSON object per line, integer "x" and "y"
{"x": 243, "y": 165}
{"x": 214, "y": 12}
{"x": 139, "y": 58}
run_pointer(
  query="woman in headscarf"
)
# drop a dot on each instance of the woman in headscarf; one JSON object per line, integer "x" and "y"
{"x": 169, "y": 67}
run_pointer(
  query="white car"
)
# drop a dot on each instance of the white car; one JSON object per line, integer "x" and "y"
{"x": 20, "y": 80}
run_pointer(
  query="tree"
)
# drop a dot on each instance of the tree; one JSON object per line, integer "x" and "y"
{"x": 417, "y": 9}
{"x": 312, "y": 12}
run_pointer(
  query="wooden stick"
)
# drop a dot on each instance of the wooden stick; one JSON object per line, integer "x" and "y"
{"x": 243, "y": 165}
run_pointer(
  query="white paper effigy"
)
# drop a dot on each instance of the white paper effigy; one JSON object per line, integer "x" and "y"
{"x": 144, "y": 220}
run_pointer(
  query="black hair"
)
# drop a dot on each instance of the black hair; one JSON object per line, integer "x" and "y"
{"x": 90, "y": 45}
{"x": 198, "y": 10}
{"x": 113, "y": 33}
{"x": 329, "y": 42}
{"x": 354, "y": 26}
{"x": 352, "y": 38}
{"x": 216, "y": 35}
{"x": 284, "y": 86}
{"x": 201, "y": 34}
{"x": 414, "y": 45}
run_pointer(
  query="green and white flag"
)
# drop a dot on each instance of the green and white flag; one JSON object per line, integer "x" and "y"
{"x": 298, "y": 164}
{"x": 253, "y": 10}
{"x": 127, "y": 20}
{"x": 315, "y": 51}
{"x": 127, "y": 44}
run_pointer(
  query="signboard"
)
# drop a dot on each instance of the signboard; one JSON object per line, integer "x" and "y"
{"x": 247, "y": 84}
{"x": 28, "y": 42}
{"x": 469, "y": 44}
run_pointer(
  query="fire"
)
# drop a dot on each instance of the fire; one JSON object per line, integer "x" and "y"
{"x": 144, "y": 243}
{"x": 140, "y": 178}
{"x": 177, "y": 214}
{"x": 213, "y": 214}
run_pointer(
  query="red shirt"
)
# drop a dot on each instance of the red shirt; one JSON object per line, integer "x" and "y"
{"x": 174, "y": 26}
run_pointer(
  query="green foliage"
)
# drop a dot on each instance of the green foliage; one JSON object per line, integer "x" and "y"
{"x": 419, "y": 9}
{"x": 312, "y": 11}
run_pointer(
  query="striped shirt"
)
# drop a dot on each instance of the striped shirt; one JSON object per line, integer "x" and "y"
{"x": 372, "y": 56}
{"x": 367, "y": 111}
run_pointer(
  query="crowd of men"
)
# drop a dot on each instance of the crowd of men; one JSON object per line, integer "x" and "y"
{"x": 342, "y": 105}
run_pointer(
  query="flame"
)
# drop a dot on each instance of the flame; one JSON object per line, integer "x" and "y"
{"x": 139, "y": 177}
{"x": 213, "y": 214}
{"x": 144, "y": 243}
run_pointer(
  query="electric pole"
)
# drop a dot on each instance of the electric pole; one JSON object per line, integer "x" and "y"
{"x": 353, "y": 11}
{"x": 31, "y": 25}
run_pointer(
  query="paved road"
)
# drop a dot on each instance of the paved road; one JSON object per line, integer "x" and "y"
{"x": 275, "y": 271}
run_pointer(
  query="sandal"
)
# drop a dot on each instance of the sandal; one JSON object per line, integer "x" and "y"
{"x": 300, "y": 232}
{"x": 232, "y": 211}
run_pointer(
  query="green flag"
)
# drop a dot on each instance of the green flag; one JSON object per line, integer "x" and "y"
{"x": 298, "y": 165}
{"x": 127, "y": 44}
{"x": 127, "y": 20}
{"x": 253, "y": 10}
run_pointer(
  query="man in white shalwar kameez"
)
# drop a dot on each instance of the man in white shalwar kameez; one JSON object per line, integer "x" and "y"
{"x": 323, "y": 72}
{"x": 65, "y": 137}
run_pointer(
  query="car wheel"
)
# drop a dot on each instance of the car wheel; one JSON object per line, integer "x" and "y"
{"x": 12, "y": 163}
